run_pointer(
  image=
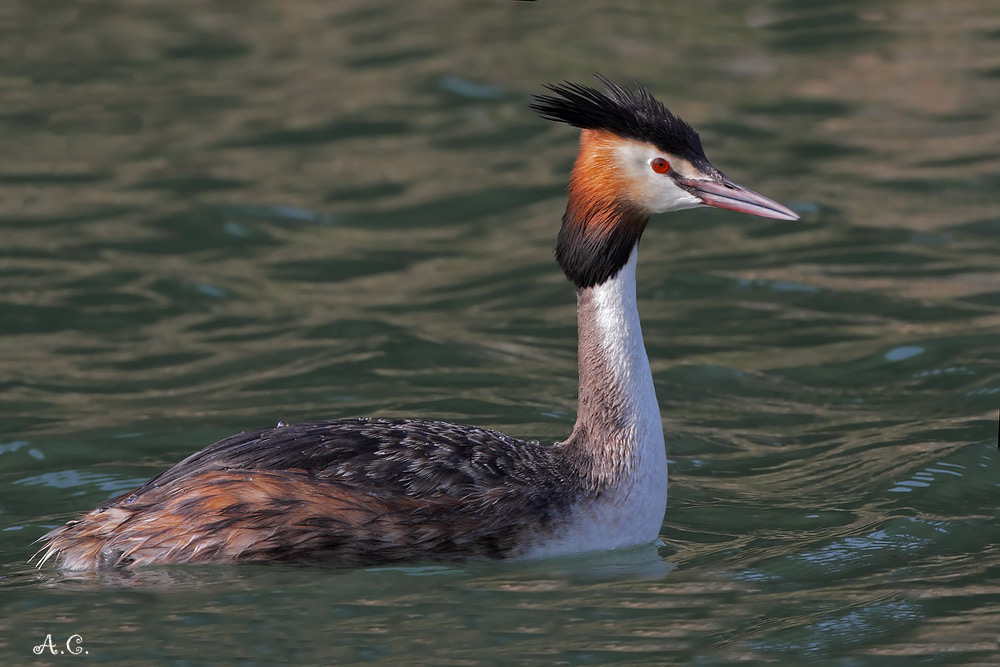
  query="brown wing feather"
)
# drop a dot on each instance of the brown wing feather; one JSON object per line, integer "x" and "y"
{"x": 346, "y": 492}
{"x": 229, "y": 516}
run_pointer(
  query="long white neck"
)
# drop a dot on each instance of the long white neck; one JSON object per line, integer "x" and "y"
{"x": 618, "y": 437}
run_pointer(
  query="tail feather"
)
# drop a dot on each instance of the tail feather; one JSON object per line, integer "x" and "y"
{"x": 84, "y": 544}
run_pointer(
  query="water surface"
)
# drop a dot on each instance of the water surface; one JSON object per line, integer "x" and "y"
{"x": 215, "y": 216}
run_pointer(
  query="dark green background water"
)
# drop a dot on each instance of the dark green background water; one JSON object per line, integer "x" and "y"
{"x": 218, "y": 215}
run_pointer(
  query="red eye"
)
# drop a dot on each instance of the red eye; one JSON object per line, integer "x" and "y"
{"x": 660, "y": 166}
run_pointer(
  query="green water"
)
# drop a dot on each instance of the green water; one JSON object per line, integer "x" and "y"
{"x": 218, "y": 215}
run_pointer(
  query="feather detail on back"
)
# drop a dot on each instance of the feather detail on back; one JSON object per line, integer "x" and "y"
{"x": 337, "y": 492}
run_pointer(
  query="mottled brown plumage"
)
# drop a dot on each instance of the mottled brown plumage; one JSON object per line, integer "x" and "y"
{"x": 338, "y": 492}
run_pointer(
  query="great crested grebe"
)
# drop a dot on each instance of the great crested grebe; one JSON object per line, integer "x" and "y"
{"x": 365, "y": 491}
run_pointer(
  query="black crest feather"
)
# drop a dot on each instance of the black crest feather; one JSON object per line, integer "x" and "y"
{"x": 633, "y": 114}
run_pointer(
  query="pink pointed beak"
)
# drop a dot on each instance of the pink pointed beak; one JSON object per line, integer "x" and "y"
{"x": 735, "y": 197}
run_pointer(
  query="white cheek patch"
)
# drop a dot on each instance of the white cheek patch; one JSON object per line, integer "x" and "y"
{"x": 668, "y": 196}
{"x": 656, "y": 193}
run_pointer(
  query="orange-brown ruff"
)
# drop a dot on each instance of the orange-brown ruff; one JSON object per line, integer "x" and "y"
{"x": 360, "y": 491}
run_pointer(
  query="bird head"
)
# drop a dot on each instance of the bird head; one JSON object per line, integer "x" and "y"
{"x": 636, "y": 159}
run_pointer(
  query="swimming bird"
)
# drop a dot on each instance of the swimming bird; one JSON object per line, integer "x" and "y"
{"x": 367, "y": 491}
